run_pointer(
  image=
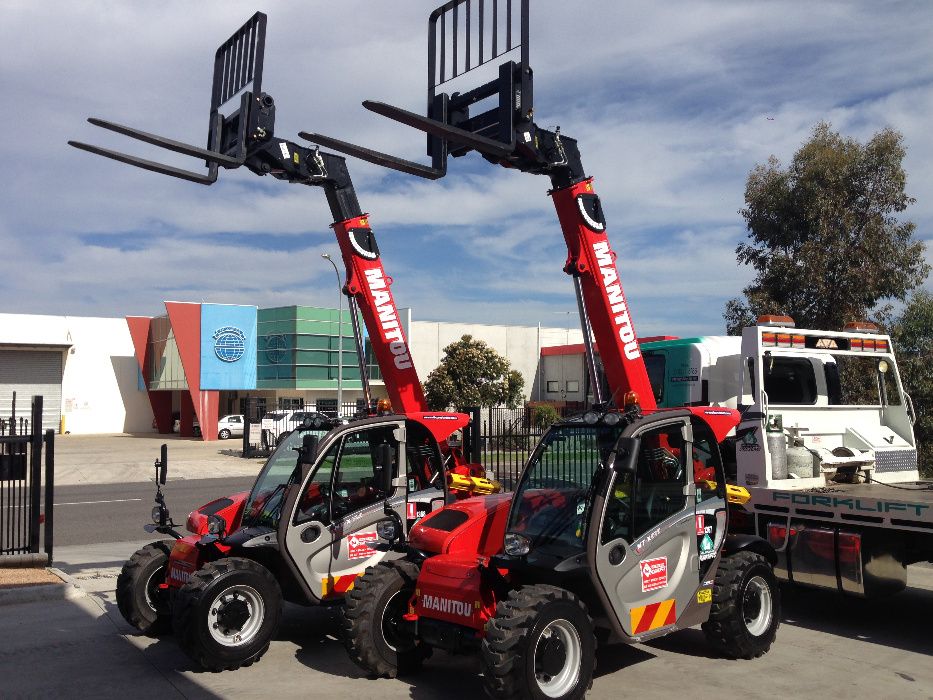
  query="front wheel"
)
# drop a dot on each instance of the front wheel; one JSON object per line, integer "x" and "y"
{"x": 141, "y": 602}
{"x": 746, "y": 607}
{"x": 374, "y": 634}
{"x": 227, "y": 613}
{"x": 540, "y": 644}
{"x": 224, "y": 434}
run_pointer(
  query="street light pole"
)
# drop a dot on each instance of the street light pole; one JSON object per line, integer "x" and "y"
{"x": 327, "y": 257}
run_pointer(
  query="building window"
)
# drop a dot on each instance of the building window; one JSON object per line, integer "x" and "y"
{"x": 553, "y": 387}
{"x": 573, "y": 387}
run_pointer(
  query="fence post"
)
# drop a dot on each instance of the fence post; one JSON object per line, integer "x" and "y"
{"x": 247, "y": 419}
{"x": 35, "y": 473}
{"x": 49, "y": 490}
{"x": 471, "y": 437}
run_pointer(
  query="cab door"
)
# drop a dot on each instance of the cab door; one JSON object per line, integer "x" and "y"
{"x": 333, "y": 523}
{"x": 646, "y": 552}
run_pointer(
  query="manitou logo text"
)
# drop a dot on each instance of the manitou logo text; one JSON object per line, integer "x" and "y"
{"x": 388, "y": 318}
{"x": 607, "y": 268}
{"x": 446, "y": 605}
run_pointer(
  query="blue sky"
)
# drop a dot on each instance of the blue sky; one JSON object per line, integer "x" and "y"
{"x": 672, "y": 105}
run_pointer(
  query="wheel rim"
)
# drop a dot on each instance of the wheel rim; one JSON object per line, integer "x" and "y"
{"x": 392, "y": 634}
{"x": 152, "y": 588}
{"x": 236, "y": 615}
{"x": 557, "y": 658}
{"x": 756, "y": 606}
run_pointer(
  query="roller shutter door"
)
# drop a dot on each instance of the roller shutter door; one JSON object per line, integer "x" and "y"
{"x": 32, "y": 373}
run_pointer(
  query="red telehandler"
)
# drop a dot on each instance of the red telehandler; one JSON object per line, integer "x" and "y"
{"x": 618, "y": 526}
{"x": 222, "y": 586}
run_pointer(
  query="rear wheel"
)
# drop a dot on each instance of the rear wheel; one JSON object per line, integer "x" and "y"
{"x": 540, "y": 644}
{"x": 373, "y": 632}
{"x": 141, "y": 602}
{"x": 746, "y": 607}
{"x": 224, "y": 434}
{"x": 227, "y": 613}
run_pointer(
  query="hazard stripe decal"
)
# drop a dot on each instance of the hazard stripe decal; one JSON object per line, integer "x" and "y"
{"x": 333, "y": 586}
{"x": 654, "y": 616}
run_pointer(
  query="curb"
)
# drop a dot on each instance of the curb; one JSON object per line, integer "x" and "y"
{"x": 44, "y": 592}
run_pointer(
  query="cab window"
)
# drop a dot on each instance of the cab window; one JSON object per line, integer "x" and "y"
{"x": 660, "y": 477}
{"x": 346, "y": 479}
{"x": 707, "y": 463}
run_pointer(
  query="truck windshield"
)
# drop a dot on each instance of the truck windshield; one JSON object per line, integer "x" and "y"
{"x": 552, "y": 501}
{"x": 264, "y": 505}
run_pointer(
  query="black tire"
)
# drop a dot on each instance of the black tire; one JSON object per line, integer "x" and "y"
{"x": 746, "y": 607}
{"x": 141, "y": 602}
{"x": 221, "y": 601}
{"x": 374, "y": 607}
{"x": 517, "y": 665}
{"x": 224, "y": 434}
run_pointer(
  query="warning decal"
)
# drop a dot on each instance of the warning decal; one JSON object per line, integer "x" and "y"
{"x": 654, "y": 616}
{"x": 358, "y": 545}
{"x": 653, "y": 574}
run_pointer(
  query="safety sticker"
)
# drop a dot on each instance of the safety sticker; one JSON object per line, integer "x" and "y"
{"x": 411, "y": 510}
{"x": 705, "y": 595}
{"x": 333, "y": 586}
{"x": 284, "y": 148}
{"x": 654, "y": 616}
{"x": 701, "y": 525}
{"x": 706, "y": 544}
{"x": 581, "y": 506}
{"x": 653, "y": 574}
{"x": 358, "y": 544}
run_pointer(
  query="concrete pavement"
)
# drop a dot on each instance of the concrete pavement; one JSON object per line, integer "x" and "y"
{"x": 108, "y": 459}
{"x": 828, "y": 646}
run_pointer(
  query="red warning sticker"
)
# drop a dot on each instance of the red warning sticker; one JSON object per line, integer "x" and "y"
{"x": 412, "y": 510}
{"x": 701, "y": 525}
{"x": 358, "y": 544}
{"x": 653, "y": 574}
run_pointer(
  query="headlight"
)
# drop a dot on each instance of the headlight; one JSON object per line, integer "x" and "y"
{"x": 590, "y": 417}
{"x": 386, "y": 530}
{"x": 516, "y": 545}
{"x": 611, "y": 418}
{"x": 215, "y": 525}
{"x": 157, "y": 515}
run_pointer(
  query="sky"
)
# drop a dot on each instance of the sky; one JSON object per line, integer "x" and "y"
{"x": 672, "y": 104}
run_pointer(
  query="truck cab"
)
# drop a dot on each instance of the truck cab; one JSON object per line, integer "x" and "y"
{"x": 816, "y": 405}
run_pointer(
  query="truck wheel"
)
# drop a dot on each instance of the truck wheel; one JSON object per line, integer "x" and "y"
{"x": 746, "y": 608}
{"x": 140, "y": 600}
{"x": 374, "y": 608}
{"x": 226, "y": 614}
{"x": 224, "y": 434}
{"x": 540, "y": 644}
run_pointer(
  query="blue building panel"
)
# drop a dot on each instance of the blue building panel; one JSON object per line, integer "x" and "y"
{"x": 228, "y": 346}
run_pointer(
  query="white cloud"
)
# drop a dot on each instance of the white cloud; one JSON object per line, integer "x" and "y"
{"x": 672, "y": 104}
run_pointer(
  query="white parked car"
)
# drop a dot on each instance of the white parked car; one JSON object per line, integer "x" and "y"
{"x": 230, "y": 426}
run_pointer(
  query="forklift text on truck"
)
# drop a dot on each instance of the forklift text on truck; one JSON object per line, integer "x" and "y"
{"x": 806, "y": 499}
{"x": 613, "y": 289}
{"x": 388, "y": 318}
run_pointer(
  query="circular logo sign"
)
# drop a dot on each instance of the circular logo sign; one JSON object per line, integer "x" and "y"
{"x": 229, "y": 343}
{"x": 276, "y": 349}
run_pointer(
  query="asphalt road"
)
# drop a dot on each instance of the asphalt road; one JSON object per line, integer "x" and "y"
{"x": 117, "y": 512}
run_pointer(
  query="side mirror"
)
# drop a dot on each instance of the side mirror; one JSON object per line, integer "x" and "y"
{"x": 626, "y": 455}
{"x": 308, "y": 449}
{"x": 163, "y": 464}
{"x": 383, "y": 467}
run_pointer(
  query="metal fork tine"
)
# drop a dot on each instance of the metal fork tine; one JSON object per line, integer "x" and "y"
{"x": 371, "y": 156}
{"x": 169, "y": 144}
{"x": 145, "y": 164}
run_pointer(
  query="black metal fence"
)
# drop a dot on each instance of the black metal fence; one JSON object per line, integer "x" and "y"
{"x": 509, "y": 435}
{"x": 21, "y": 462}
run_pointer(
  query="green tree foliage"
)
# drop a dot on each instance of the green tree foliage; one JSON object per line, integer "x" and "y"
{"x": 473, "y": 374}
{"x": 544, "y": 415}
{"x": 825, "y": 240}
{"x": 912, "y": 336}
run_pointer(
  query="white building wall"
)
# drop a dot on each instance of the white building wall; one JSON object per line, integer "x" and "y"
{"x": 100, "y": 391}
{"x": 521, "y": 345}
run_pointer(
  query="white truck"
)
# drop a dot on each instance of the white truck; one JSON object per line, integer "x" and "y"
{"x": 826, "y": 447}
